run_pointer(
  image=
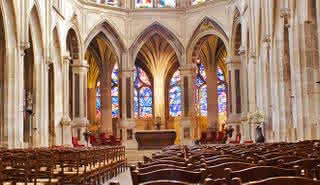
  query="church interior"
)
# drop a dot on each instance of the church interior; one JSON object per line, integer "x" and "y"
{"x": 160, "y": 92}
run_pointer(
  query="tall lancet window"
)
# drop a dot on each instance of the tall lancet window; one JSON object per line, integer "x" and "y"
{"x": 98, "y": 101}
{"x": 222, "y": 92}
{"x": 175, "y": 108}
{"x": 201, "y": 91}
{"x": 155, "y": 3}
{"x": 144, "y": 3}
{"x": 142, "y": 100}
{"x": 115, "y": 91}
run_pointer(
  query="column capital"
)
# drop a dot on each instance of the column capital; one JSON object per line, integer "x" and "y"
{"x": 285, "y": 13}
{"x": 242, "y": 50}
{"x": 66, "y": 59}
{"x": 252, "y": 54}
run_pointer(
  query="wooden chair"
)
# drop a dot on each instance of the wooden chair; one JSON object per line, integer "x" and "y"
{"x": 259, "y": 173}
{"x": 216, "y": 172}
{"x": 279, "y": 181}
{"x": 169, "y": 174}
{"x": 75, "y": 142}
{"x": 165, "y": 182}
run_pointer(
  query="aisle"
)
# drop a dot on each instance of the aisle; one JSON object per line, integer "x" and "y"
{"x": 123, "y": 178}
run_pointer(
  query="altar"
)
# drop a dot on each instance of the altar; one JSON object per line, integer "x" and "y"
{"x": 155, "y": 139}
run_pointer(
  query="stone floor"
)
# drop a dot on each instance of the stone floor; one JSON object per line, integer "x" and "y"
{"x": 133, "y": 157}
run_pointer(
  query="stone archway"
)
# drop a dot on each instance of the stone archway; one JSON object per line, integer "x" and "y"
{"x": 157, "y": 28}
{"x": 204, "y": 49}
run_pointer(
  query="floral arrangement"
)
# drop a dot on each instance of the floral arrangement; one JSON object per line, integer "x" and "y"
{"x": 256, "y": 117}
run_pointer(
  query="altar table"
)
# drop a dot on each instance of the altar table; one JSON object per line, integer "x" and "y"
{"x": 155, "y": 139}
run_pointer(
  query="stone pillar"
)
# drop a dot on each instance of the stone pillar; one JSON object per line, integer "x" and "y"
{"x": 244, "y": 94}
{"x": 212, "y": 100}
{"x": 106, "y": 104}
{"x": 92, "y": 107}
{"x": 80, "y": 122}
{"x": 127, "y": 122}
{"x": 66, "y": 121}
{"x": 252, "y": 89}
{"x": 234, "y": 97}
{"x": 188, "y": 104}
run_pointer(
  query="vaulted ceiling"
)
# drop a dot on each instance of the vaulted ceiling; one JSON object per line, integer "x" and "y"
{"x": 158, "y": 56}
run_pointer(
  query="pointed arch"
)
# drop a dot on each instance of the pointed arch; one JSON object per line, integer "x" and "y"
{"x": 109, "y": 33}
{"x": 34, "y": 26}
{"x": 206, "y": 28}
{"x": 235, "y": 41}
{"x": 157, "y": 28}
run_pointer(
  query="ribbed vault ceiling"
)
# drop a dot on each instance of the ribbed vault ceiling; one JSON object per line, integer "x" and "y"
{"x": 158, "y": 56}
{"x": 99, "y": 56}
{"x": 213, "y": 53}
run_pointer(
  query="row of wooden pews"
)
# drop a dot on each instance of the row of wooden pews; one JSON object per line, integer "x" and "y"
{"x": 61, "y": 166}
{"x": 249, "y": 164}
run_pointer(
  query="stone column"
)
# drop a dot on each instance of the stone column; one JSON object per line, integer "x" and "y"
{"x": 80, "y": 122}
{"x": 234, "y": 97}
{"x": 244, "y": 94}
{"x": 66, "y": 121}
{"x": 213, "y": 112}
{"x": 106, "y": 104}
{"x": 127, "y": 122}
{"x": 252, "y": 89}
{"x": 188, "y": 104}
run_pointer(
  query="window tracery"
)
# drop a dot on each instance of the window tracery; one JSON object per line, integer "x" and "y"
{"x": 175, "y": 95}
{"x": 155, "y": 3}
{"x": 142, "y": 100}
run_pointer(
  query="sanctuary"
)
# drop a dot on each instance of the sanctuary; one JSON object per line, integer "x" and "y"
{"x": 92, "y": 72}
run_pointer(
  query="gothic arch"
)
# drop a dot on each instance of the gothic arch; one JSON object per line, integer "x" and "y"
{"x": 34, "y": 26}
{"x": 206, "y": 28}
{"x": 235, "y": 41}
{"x": 73, "y": 29}
{"x": 73, "y": 44}
{"x": 157, "y": 28}
{"x": 110, "y": 35}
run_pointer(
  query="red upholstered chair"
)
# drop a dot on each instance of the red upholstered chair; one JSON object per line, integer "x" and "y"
{"x": 75, "y": 142}
{"x": 114, "y": 140}
{"x": 203, "y": 138}
{"x": 248, "y": 142}
{"x": 220, "y": 137}
{"x": 93, "y": 140}
{"x": 213, "y": 137}
{"x": 103, "y": 139}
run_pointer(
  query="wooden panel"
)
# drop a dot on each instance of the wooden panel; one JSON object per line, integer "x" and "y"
{"x": 120, "y": 97}
{"x": 128, "y": 99}
{"x": 238, "y": 91}
{"x": 186, "y": 96}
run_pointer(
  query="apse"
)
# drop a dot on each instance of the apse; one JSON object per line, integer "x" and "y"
{"x": 159, "y": 59}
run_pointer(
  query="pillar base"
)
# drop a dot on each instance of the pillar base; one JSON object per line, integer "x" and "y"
{"x": 186, "y": 131}
{"x": 66, "y": 131}
{"x": 79, "y": 127}
{"x": 128, "y": 127}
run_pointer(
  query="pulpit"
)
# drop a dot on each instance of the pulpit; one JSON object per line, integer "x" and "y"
{"x": 155, "y": 139}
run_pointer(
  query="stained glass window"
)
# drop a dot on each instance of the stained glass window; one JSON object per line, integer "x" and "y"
{"x": 167, "y": 3}
{"x": 222, "y": 92}
{"x": 98, "y": 103}
{"x": 109, "y": 2}
{"x": 155, "y": 3}
{"x": 115, "y": 91}
{"x": 142, "y": 100}
{"x": 195, "y": 2}
{"x": 202, "y": 91}
{"x": 144, "y": 3}
{"x": 175, "y": 98}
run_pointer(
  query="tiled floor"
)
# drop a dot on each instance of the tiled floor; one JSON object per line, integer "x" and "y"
{"x": 133, "y": 157}
{"x": 124, "y": 178}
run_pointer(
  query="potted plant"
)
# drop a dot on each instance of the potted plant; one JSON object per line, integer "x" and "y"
{"x": 257, "y": 118}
